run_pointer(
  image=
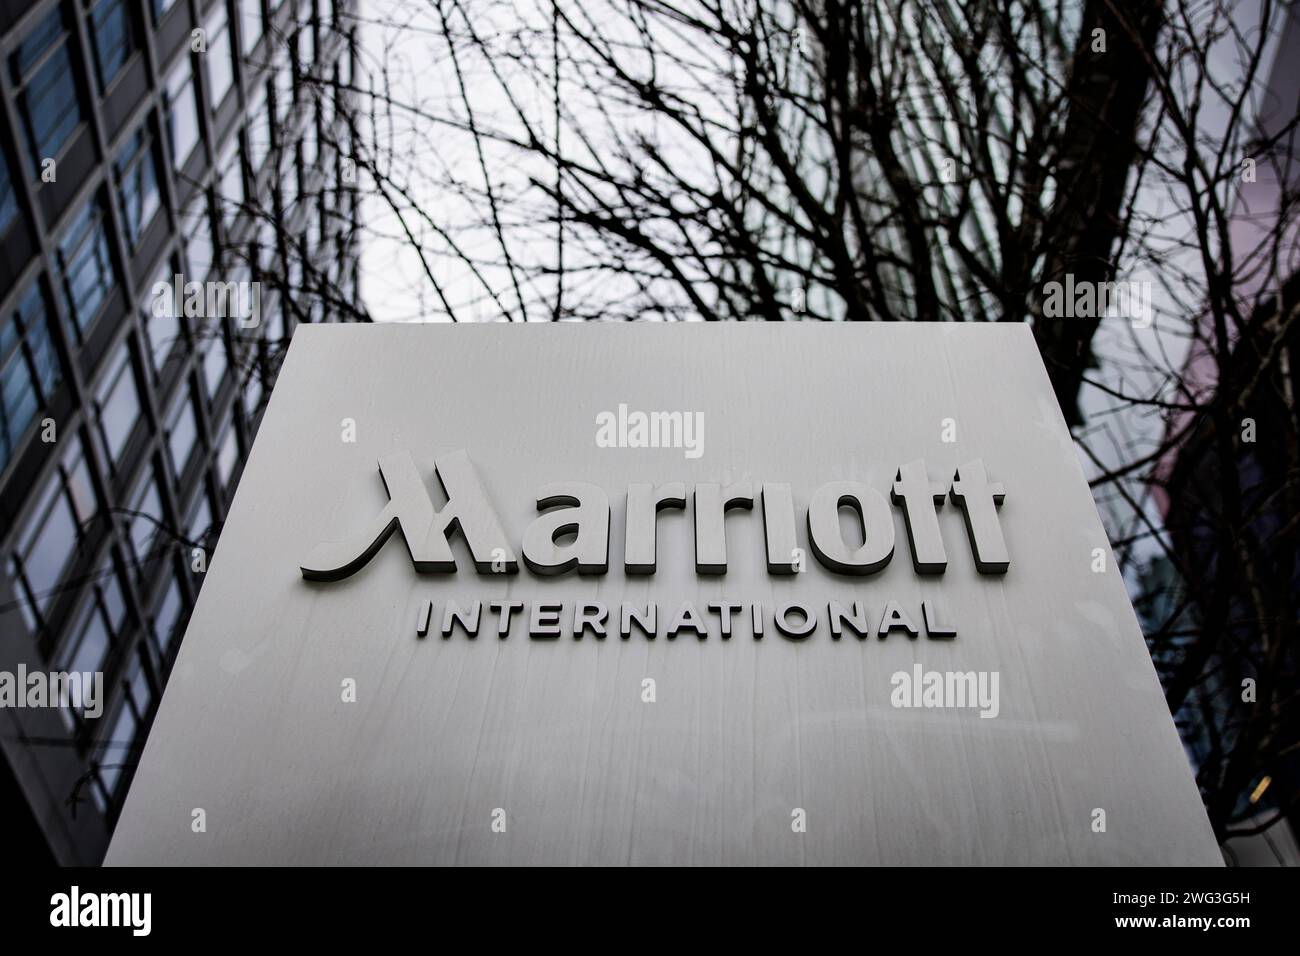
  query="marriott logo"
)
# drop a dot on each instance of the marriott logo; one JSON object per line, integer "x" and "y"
{"x": 579, "y": 514}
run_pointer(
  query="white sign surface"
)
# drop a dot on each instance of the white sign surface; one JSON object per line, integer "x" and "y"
{"x": 887, "y": 626}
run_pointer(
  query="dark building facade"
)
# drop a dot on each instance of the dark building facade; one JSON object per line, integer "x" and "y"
{"x": 141, "y": 141}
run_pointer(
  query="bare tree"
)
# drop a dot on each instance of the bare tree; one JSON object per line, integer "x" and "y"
{"x": 1221, "y": 146}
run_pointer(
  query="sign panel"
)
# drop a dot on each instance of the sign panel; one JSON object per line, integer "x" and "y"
{"x": 647, "y": 594}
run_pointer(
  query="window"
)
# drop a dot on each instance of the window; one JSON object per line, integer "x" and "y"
{"x": 329, "y": 100}
{"x": 137, "y": 185}
{"x": 142, "y": 524}
{"x": 182, "y": 431}
{"x": 265, "y": 246}
{"x": 327, "y": 194}
{"x": 296, "y": 65}
{"x": 8, "y": 202}
{"x": 87, "y": 272}
{"x": 199, "y": 522}
{"x": 182, "y": 111}
{"x": 323, "y": 219}
{"x": 227, "y": 453}
{"x": 282, "y": 82}
{"x": 117, "y": 407}
{"x": 162, "y": 324}
{"x": 139, "y": 689}
{"x": 160, "y": 7}
{"x": 54, "y": 534}
{"x": 196, "y": 223}
{"x": 259, "y": 131}
{"x": 310, "y": 139}
{"x": 290, "y": 182}
{"x": 214, "y": 357}
{"x": 92, "y": 643}
{"x": 308, "y": 50}
{"x": 250, "y": 24}
{"x": 345, "y": 61}
{"x": 347, "y": 288}
{"x": 270, "y": 313}
{"x": 333, "y": 264}
{"x": 113, "y": 754}
{"x": 98, "y": 626}
{"x": 166, "y": 622}
{"x": 29, "y": 370}
{"x": 110, "y": 27}
{"x": 220, "y": 55}
{"x": 115, "y": 748}
{"x": 284, "y": 328}
{"x": 294, "y": 275}
{"x": 253, "y": 392}
{"x": 242, "y": 302}
{"x": 46, "y": 89}
{"x": 231, "y": 185}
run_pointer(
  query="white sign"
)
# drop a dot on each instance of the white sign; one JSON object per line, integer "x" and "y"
{"x": 482, "y": 598}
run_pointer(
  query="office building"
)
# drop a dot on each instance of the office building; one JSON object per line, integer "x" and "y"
{"x": 143, "y": 140}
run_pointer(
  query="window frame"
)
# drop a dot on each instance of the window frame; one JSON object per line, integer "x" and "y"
{"x": 119, "y": 373}
{"x": 184, "y": 401}
{"x": 88, "y": 228}
{"x": 24, "y": 74}
{"x": 141, "y": 148}
{"x": 147, "y": 486}
{"x": 127, "y": 47}
{"x": 250, "y": 10}
{"x": 71, "y": 469}
{"x": 173, "y": 91}
{"x": 94, "y": 608}
{"x": 23, "y": 348}
{"x": 219, "y": 31}
{"x": 159, "y": 355}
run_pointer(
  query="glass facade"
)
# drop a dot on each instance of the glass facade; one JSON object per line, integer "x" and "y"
{"x": 123, "y": 418}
